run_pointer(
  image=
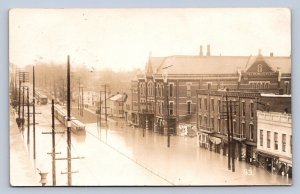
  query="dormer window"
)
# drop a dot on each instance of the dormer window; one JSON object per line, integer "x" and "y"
{"x": 259, "y": 68}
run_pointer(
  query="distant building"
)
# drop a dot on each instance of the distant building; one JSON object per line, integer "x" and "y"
{"x": 166, "y": 90}
{"x": 89, "y": 98}
{"x": 116, "y": 105}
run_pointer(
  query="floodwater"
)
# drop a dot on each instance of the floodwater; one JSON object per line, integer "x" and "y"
{"x": 121, "y": 155}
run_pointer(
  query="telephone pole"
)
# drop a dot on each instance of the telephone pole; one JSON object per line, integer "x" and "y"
{"x": 232, "y": 142}
{"x": 28, "y": 118}
{"x": 53, "y": 146}
{"x": 105, "y": 110}
{"x": 228, "y": 132}
{"x": 33, "y": 110}
{"x": 69, "y": 124}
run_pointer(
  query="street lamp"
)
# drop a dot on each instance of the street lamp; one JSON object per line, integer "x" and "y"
{"x": 165, "y": 79}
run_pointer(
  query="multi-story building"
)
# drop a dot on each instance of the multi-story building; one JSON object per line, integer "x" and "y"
{"x": 212, "y": 121}
{"x": 274, "y": 141}
{"x": 116, "y": 105}
{"x": 167, "y": 87}
{"x": 131, "y": 104}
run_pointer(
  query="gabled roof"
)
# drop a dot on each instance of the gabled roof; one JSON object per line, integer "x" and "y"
{"x": 119, "y": 97}
{"x": 185, "y": 64}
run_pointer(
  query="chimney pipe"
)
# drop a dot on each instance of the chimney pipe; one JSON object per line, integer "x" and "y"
{"x": 208, "y": 50}
{"x": 201, "y": 51}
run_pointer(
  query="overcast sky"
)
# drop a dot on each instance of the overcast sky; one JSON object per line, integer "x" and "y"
{"x": 123, "y": 38}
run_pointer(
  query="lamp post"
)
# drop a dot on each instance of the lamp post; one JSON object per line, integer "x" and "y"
{"x": 166, "y": 99}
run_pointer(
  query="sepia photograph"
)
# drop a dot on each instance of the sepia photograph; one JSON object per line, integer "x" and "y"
{"x": 150, "y": 97}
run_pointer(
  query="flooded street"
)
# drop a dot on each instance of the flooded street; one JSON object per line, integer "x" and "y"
{"x": 121, "y": 155}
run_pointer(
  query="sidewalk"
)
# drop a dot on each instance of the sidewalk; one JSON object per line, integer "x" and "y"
{"x": 22, "y": 171}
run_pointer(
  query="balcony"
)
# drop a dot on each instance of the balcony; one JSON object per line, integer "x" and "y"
{"x": 206, "y": 129}
{"x": 239, "y": 137}
{"x": 146, "y": 108}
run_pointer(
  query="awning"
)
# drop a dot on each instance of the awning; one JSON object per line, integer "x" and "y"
{"x": 267, "y": 154}
{"x": 215, "y": 140}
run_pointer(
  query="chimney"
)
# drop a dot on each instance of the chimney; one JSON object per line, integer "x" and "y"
{"x": 201, "y": 51}
{"x": 271, "y": 54}
{"x": 208, "y": 50}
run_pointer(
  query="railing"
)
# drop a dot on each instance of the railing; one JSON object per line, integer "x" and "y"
{"x": 207, "y": 129}
{"x": 239, "y": 136}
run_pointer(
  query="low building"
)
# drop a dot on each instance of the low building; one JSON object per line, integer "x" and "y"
{"x": 116, "y": 105}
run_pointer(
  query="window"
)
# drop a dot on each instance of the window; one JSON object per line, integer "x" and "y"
{"x": 243, "y": 109}
{"x": 200, "y": 103}
{"x": 276, "y": 141}
{"x": 212, "y": 123}
{"x": 150, "y": 89}
{"x": 162, "y": 107}
{"x": 268, "y": 139}
{"x": 286, "y": 87}
{"x": 243, "y": 126}
{"x": 219, "y": 125}
{"x": 212, "y": 102}
{"x": 188, "y": 89}
{"x": 283, "y": 142}
{"x": 251, "y": 130}
{"x": 259, "y": 68}
{"x": 171, "y": 86}
{"x": 234, "y": 128}
{"x": 200, "y": 120}
{"x": 171, "y": 108}
{"x": 205, "y": 122}
{"x": 219, "y": 106}
{"x": 252, "y": 109}
{"x": 291, "y": 145}
{"x": 209, "y": 85}
{"x": 205, "y": 103}
{"x": 158, "y": 90}
{"x": 261, "y": 137}
{"x": 189, "y": 108}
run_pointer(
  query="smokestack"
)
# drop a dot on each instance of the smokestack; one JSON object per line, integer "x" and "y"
{"x": 208, "y": 50}
{"x": 201, "y": 51}
{"x": 271, "y": 54}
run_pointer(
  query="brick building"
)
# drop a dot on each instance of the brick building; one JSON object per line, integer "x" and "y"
{"x": 166, "y": 89}
{"x": 212, "y": 124}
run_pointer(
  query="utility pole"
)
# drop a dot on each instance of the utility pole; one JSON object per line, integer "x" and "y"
{"x": 33, "y": 110}
{"x": 53, "y": 147}
{"x": 105, "y": 110}
{"x": 22, "y": 121}
{"x": 69, "y": 124}
{"x": 28, "y": 118}
{"x": 82, "y": 102}
{"x": 79, "y": 110}
{"x": 19, "y": 108}
{"x": 100, "y": 112}
{"x": 232, "y": 143}
{"x": 228, "y": 132}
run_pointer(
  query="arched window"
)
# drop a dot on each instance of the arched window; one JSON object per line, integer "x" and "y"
{"x": 259, "y": 68}
{"x": 150, "y": 89}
